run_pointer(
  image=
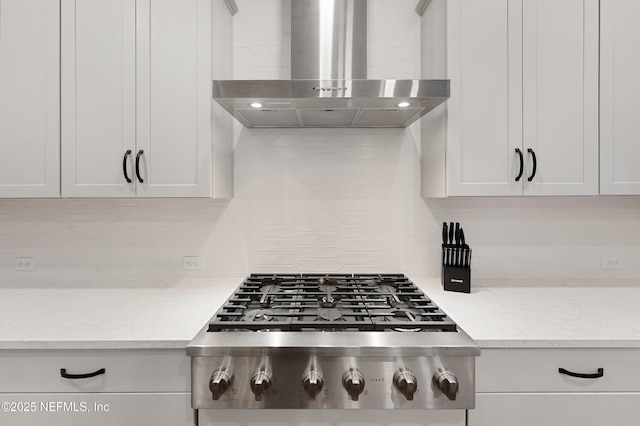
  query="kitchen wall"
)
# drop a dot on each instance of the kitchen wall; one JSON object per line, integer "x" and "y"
{"x": 318, "y": 200}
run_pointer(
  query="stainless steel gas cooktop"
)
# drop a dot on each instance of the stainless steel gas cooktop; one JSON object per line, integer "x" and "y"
{"x": 331, "y": 341}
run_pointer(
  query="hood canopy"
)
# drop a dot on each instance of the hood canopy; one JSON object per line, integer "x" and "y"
{"x": 329, "y": 85}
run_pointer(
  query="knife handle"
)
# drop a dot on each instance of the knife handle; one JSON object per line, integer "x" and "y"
{"x": 445, "y": 233}
{"x": 451, "y": 232}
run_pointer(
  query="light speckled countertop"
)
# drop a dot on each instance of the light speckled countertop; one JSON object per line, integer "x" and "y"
{"x": 168, "y": 314}
{"x": 567, "y": 313}
{"x": 134, "y": 315}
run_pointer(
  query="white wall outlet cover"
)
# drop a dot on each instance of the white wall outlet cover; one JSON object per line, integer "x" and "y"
{"x": 611, "y": 262}
{"x": 193, "y": 263}
{"x": 25, "y": 263}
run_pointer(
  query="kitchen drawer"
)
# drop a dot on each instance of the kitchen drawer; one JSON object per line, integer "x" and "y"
{"x": 555, "y": 409}
{"x": 144, "y": 370}
{"x": 96, "y": 409}
{"x": 536, "y": 370}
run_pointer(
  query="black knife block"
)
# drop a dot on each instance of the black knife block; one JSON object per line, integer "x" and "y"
{"x": 455, "y": 278}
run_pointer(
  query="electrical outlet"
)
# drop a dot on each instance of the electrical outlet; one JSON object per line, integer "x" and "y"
{"x": 192, "y": 263}
{"x": 611, "y": 262}
{"x": 25, "y": 263}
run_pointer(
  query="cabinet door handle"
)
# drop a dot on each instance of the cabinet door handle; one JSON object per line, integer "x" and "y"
{"x": 597, "y": 375}
{"x": 138, "y": 165}
{"x": 535, "y": 164}
{"x": 124, "y": 165}
{"x": 521, "y": 164}
{"x": 64, "y": 374}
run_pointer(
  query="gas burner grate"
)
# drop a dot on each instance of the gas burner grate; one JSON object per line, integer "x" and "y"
{"x": 329, "y": 302}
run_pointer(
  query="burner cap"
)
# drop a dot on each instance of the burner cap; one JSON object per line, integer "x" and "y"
{"x": 329, "y": 314}
{"x": 270, "y": 288}
{"x": 258, "y": 315}
{"x": 385, "y": 289}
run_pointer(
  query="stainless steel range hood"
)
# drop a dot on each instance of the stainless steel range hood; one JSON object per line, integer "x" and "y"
{"x": 329, "y": 85}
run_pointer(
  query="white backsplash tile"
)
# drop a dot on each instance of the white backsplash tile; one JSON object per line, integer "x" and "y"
{"x": 369, "y": 231}
{"x": 312, "y": 200}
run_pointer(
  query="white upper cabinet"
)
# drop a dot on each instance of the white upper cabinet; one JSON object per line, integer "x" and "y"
{"x": 522, "y": 116}
{"x": 484, "y": 125}
{"x": 29, "y": 98}
{"x": 174, "y": 45}
{"x": 619, "y": 94}
{"x": 136, "y": 88}
{"x": 560, "y": 96}
{"x": 98, "y": 97}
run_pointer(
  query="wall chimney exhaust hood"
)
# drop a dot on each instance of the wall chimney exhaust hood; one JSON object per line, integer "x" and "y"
{"x": 329, "y": 85}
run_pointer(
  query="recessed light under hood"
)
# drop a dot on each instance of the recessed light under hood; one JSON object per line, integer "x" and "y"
{"x": 329, "y": 87}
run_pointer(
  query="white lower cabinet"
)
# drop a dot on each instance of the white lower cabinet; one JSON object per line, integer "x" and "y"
{"x": 524, "y": 387}
{"x": 96, "y": 409}
{"x": 556, "y": 409}
{"x": 122, "y": 387}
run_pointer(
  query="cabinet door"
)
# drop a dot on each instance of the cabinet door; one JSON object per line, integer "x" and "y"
{"x": 98, "y": 97}
{"x": 619, "y": 93}
{"x": 174, "y": 46}
{"x": 560, "y": 96}
{"x": 484, "y": 123}
{"x": 29, "y": 98}
{"x": 97, "y": 409}
{"x": 555, "y": 409}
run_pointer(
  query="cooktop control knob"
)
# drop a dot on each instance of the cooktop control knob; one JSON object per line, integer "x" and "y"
{"x": 261, "y": 383}
{"x": 313, "y": 381}
{"x": 406, "y": 382}
{"x": 446, "y": 382}
{"x": 219, "y": 382}
{"x": 353, "y": 382}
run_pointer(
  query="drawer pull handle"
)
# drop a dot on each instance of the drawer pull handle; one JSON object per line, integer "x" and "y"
{"x": 63, "y": 373}
{"x": 597, "y": 375}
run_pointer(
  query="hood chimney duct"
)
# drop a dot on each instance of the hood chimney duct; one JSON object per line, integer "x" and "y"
{"x": 329, "y": 39}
